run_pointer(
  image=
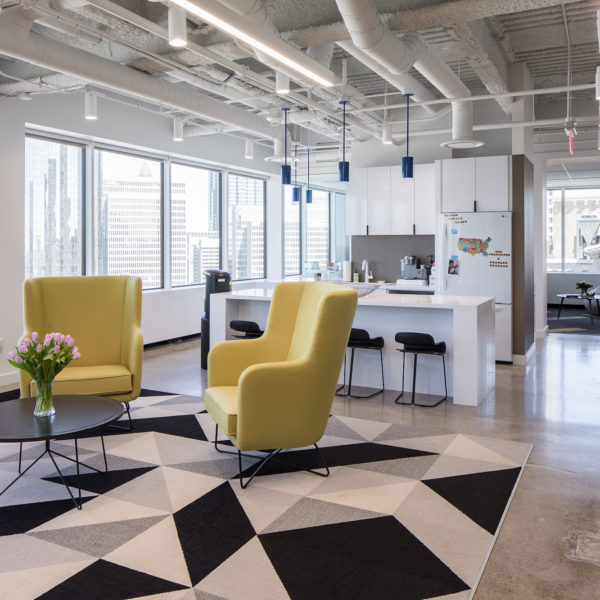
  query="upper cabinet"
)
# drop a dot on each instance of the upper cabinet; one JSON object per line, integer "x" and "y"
{"x": 380, "y": 202}
{"x": 481, "y": 183}
{"x": 356, "y": 202}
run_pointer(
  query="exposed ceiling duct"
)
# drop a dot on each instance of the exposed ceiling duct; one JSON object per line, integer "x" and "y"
{"x": 17, "y": 40}
{"x": 370, "y": 34}
{"x": 404, "y": 82}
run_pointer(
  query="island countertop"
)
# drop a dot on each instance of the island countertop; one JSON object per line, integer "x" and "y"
{"x": 374, "y": 299}
{"x": 464, "y": 323}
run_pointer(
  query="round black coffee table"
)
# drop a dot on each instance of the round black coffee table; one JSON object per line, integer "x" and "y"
{"x": 74, "y": 415}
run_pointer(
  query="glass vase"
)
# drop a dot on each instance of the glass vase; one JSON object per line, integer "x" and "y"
{"x": 43, "y": 399}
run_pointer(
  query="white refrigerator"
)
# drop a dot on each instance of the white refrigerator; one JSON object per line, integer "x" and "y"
{"x": 474, "y": 258}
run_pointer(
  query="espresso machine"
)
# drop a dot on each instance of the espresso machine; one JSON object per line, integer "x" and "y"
{"x": 411, "y": 268}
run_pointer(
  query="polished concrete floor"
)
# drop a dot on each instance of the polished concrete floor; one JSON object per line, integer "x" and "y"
{"x": 549, "y": 545}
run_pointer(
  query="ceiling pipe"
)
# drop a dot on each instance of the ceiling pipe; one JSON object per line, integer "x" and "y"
{"x": 360, "y": 132}
{"x": 370, "y": 35}
{"x": 403, "y": 82}
{"x": 18, "y": 41}
{"x": 255, "y": 12}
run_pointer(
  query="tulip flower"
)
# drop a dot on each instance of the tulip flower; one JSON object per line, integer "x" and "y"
{"x": 11, "y": 355}
{"x": 19, "y": 360}
{"x": 26, "y": 342}
{"x": 39, "y": 348}
{"x": 56, "y": 349}
{"x": 76, "y": 355}
{"x": 34, "y": 336}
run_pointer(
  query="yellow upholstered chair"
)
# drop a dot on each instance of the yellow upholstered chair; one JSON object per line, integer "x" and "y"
{"x": 276, "y": 391}
{"x": 103, "y": 315}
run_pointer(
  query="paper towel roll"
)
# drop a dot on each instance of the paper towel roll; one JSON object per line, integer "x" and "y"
{"x": 347, "y": 270}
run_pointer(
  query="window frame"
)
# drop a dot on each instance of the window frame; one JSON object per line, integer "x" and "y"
{"x": 69, "y": 141}
{"x": 219, "y": 173}
{"x": 563, "y": 189}
{"x": 164, "y": 207}
{"x": 227, "y": 173}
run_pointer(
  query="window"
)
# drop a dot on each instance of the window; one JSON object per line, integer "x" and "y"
{"x": 246, "y": 227}
{"x": 291, "y": 233}
{"x": 573, "y": 227}
{"x": 341, "y": 243}
{"x": 195, "y": 231}
{"x": 53, "y": 208}
{"x": 128, "y": 206}
{"x": 317, "y": 228}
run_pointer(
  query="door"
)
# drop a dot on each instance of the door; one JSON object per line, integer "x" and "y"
{"x": 402, "y": 195}
{"x": 492, "y": 183}
{"x": 476, "y": 255}
{"x": 458, "y": 184}
{"x": 378, "y": 204}
{"x": 424, "y": 195}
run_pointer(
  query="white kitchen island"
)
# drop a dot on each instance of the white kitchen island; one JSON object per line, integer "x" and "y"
{"x": 465, "y": 323}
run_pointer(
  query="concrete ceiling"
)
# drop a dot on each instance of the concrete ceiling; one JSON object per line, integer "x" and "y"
{"x": 479, "y": 40}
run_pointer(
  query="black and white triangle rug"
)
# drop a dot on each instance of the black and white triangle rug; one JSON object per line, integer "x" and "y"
{"x": 402, "y": 515}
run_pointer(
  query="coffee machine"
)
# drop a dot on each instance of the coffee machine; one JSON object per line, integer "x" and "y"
{"x": 411, "y": 268}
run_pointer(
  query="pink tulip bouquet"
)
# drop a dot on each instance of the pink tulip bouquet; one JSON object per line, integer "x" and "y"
{"x": 43, "y": 361}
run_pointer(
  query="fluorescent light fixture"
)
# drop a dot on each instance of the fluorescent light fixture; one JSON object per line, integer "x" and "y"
{"x": 249, "y": 150}
{"x": 386, "y": 133}
{"x": 178, "y": 130}
{"x": 282, "y": 83}
{"x": 597, "y": 83}
{"x": 177, "y": 27}
{"x": 91, "y": 105}
{"x": 237, "y": 26}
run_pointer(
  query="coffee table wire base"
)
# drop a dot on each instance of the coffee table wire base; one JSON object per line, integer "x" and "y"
{"x": 52, "y": 453}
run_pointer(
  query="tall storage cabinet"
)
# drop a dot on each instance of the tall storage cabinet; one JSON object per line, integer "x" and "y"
{"x": 481, "y": 183}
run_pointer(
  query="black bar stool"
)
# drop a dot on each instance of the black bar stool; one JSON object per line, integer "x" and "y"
{"x": 250, "y": 329}
{"x": 420, "y": 343}
{"x": 360, "y": 338}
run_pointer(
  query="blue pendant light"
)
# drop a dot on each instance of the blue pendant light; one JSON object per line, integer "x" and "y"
{"x": 286, "y": 170}
{"x": 407, "y": 161}
{"x": 344, "y": 165}
{"x": 296, "y": 190}
{"x": 308, "y": 190}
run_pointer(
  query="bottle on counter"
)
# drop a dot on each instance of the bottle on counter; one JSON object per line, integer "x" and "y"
{"x": 355, "y": 278}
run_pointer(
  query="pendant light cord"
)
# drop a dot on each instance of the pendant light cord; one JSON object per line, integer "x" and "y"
{"x": 308, "y": 168}
{"x": 407, "y": 121}
{"x": 344, "y": 134}
{"x": 285, "y": 113}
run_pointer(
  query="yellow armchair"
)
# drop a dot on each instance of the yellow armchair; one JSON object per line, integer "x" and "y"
{"x": 103, "y": 315}
{"x": 276, "y": 391}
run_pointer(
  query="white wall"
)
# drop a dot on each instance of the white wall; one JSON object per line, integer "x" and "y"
{"x": 166, "y": 313}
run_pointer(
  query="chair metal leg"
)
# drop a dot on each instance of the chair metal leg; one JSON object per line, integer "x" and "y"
{"x": 262, "y": 460}
{"x": 414, "y": 377}
{"x": 20, "y": 454}
{"x": 130, "y": 428}
{"x": 350, "y": 381}
{"x": 351, "y": 371}
{"x": 341, "y": 387}
{"x": 397, "y": 400}
{"x": 445, "y": 389}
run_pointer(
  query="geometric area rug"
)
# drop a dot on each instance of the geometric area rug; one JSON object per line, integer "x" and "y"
{"x": 402, "y": 515}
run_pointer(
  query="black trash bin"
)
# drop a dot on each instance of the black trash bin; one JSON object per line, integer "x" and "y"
{"x": 216, "y": 282}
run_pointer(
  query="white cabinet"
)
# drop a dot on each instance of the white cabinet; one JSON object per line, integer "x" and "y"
{"x": 356, "y": 202}
{"x": 402, "y": 203}
{"x": 458, "y": 185}
{"x": 492, "y": 183}
{"x": 378, "y": 201}
{"x": 484, "y": 180}
{"x": 503, "y": 313}
{"x": 425, "y": 217}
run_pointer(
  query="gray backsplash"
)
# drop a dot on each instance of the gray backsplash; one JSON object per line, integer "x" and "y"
{"x": 385, "y": 251}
